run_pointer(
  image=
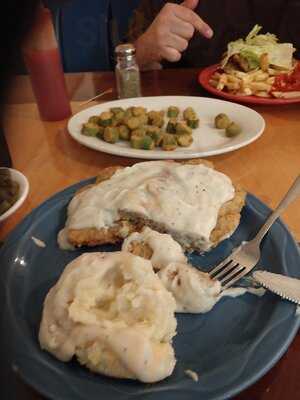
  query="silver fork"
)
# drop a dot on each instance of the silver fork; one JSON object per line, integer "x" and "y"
{"x": 244, "y": 258}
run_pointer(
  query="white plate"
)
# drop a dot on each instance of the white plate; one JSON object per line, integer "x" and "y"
{"x": 21, "y": 179}
{"x": 208, "y": 141}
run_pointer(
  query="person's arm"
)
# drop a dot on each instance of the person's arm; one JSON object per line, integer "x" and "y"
{"x": 142, "y": 18}
{"x": 169, "y": 33}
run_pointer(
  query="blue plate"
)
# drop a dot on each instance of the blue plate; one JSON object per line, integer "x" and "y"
{"x": 230, "y": 347}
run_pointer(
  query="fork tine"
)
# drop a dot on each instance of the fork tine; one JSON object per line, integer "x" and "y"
{"x": 224, "y": 272}
{"x": 218, "y": 268}
{"x": 235, "y": 279}
{"x": 237, "y": 269}
{"x": 223, "y": 263}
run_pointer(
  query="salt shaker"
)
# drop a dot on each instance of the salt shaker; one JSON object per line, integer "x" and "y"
{"x": 127, "y": 72}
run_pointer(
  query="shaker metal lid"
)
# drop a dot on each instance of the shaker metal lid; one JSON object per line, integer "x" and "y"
{"x": 125, "y": 50}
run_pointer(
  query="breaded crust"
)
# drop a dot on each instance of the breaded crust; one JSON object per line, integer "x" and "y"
{"x": 228, "y": 218}
{"x": 92, "y": 237}
{"x": 140, "y": 249}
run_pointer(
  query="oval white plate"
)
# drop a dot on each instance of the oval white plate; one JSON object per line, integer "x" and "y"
{"x": 208, "y": 141}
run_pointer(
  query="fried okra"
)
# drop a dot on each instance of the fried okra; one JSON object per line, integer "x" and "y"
{"x": 173, "y": 112}
{"x": 142, "y": 143}
{"x": 105, "y": 118}
{"x": 171, "y": 126}
{"x": 156, "y": 118}
{"x": 90, "y": 129}
{"x": 142, "y": 128}
{"x": 94, "y": 119}
{"x": 111, "y": 134}
{"x": 155, "y": 133}
{"x": 133, "y": 123}
{"x": 233, "y": 130}
{"x": 183, "y": 129}
{"x": 222, "y": 121}
{"x": 184, "y": 140}
{"x": 116, "y": 110}
{"x": 124, "y": 132}
{"x": 169, "y": 142}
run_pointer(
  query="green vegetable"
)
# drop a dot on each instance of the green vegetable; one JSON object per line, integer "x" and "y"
{"x": 140, "y": 132}
{"x": 111, "y": 134}
{"x": 94, "y": 119}
{"x": 183, "y": 129}
{"x": 171, "y": 126}
{"x": 255, "y": 44}
{"x": 138, "y": 111}
{"x": 173, "y": 112}
{"x": 9, "y": 191}
{"x": 143, "y": 119}
{"x": 106, "y": 118}
{"x": 143, "y": 143}
{"x": 251, "y": 58}
{"x": 156, "y": 118}
{"x": 233, "y": 130}
{"x": 119, "y": 116}
{"x": 133, "y": 123}
{"x": 101, "y": 132}
{"x": 155, "y": 133}
{"x": 90, "y": 129}
{"x": 184, "y": 140}
{"x": 193, "y": 122}
{"x": 116, "y": 110}
{"x": 124, "y": 132}
{"x": 189, "y": 113}
{"x": 222, "y": 121}
{"x": 169, "y": 142}
{"x": 128, "y": 113}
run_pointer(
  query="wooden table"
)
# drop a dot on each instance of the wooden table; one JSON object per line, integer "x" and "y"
{"x": 52, "y": 160}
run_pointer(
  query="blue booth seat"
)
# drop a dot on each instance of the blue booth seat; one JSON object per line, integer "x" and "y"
{"x": 88, "y": 31}
{"x": 84, "y": 36}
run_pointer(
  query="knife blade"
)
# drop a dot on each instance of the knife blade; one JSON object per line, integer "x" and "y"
{"x": 284, "y": 286}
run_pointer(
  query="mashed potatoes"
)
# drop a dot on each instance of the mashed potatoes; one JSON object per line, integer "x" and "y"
{"x": 193, "y": 290}
{"x": 113, "y": 313}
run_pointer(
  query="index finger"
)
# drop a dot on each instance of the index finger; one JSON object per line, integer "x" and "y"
{"x": 190, "y": 16}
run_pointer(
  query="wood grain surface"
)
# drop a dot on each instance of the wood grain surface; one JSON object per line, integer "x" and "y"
{"x": 52, "y": 160}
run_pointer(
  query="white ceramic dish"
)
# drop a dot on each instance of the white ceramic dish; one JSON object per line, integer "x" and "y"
{"x": 21, "y": 179}
{"x": 208, "y": 141}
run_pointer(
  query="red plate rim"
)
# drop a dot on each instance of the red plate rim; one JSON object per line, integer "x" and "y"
{"x": 205, "y": 75}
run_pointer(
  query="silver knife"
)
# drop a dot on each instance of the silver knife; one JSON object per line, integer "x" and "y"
{"x": 284, "y": 286}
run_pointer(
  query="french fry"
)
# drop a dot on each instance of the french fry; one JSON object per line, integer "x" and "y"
{"x": 260, "y": 87}
{"x": 286, "y": 95}
{"x": 270, "y": 80}
{"x": 264, "y": 62}
{"x": 232, "y": 79}
{"x": 222, "y": 82}
{"x": 258, "y": 82}
{"x": 261, "y": 76}
{"x": 262, "y": 94}
{"x": 233, "y": 86}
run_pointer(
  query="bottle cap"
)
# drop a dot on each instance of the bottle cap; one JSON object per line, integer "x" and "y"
{"x": 125, "y": 50}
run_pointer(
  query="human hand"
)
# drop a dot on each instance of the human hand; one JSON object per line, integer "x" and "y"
{"x": 169, "y": 34}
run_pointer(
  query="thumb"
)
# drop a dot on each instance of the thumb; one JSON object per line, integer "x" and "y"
{"x": 191, "y": 4}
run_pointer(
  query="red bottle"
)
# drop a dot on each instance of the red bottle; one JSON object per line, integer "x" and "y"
{"x": 43, "y": 62}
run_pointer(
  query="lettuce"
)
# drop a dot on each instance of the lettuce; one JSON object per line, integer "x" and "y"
{"x": 255, "y": 44}
{"x": 252, "y": 58}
